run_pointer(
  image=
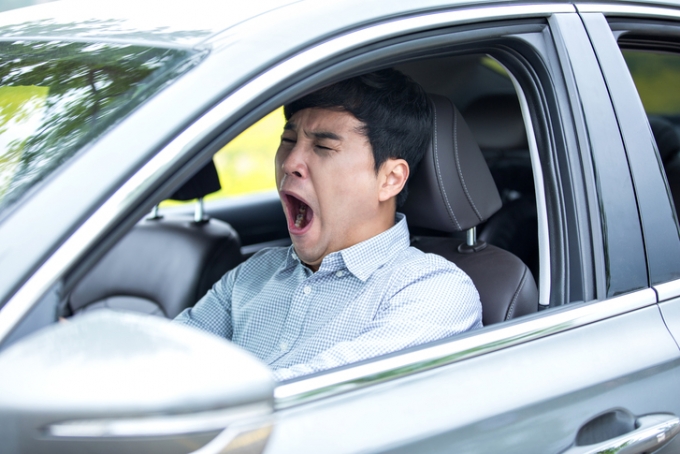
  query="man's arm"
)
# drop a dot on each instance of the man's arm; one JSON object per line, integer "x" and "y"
{"x": 439, "y": 305}
{"x": 212, "y": 313}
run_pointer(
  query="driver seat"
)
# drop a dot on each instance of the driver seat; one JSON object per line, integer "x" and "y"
{"x": 453, "y": 191}
{"x": 164, "y": 264}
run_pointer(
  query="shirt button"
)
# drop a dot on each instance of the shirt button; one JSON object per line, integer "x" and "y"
{"x": 283, "y": 346}
{"x": 340, "y": 273}
{"x": 307, "y": 290}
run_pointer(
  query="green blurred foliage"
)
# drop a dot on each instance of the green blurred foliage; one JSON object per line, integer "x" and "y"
{"x": 657, "y": 78}
{"x": 20, "y": 111}
{"x": 246, "y": 164}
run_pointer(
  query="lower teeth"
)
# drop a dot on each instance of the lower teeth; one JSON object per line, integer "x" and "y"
{"x": 301, "y": 216}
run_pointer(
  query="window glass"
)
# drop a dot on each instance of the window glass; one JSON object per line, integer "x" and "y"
{"x": 246, "y": 164}
{"x": 657, "y": 78}
{"x": 55, "y": 97}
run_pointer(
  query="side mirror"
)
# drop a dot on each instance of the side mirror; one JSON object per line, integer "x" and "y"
{"x": 122, "y": 382}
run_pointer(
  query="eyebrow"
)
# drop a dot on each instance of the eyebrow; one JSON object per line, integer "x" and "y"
{"x": 323, "y": 135}
{"x": 289, "y": 126}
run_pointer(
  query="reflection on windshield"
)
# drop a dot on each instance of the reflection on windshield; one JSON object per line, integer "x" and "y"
{"x": 57, "y": 96}
{"x": 21, "y": 109}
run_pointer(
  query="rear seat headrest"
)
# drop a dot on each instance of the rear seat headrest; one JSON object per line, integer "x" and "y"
{"x": 667, "y": 138}
{"x": 204, "y": 182}
{"x": 452, "y": 189}
{"x": 496, "y": 122}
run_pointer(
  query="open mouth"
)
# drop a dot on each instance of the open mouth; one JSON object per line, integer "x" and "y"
{"x": 299, "y": 214}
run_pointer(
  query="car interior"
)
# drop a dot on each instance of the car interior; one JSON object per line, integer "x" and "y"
{"x": 471, "y": 200}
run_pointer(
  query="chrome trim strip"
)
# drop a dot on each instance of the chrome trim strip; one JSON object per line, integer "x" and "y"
{"x": 156, "y": 426}
{"x": 541, "y": 207}
{"x": 668, "y": 290}
{"x": 617, "y": 9}
{"x": 111, "y": 211}
{"x": 497, "y": 338}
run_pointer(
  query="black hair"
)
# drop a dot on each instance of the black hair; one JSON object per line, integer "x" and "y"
{"x": 395, "y": 112}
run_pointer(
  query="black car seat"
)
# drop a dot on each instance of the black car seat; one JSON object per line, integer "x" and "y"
{"x": 453, "y": 191}
{"x": 164, "y": 264}
{"x": 497, "y": 125}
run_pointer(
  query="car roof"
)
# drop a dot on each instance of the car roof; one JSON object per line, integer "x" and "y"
{"x": 148, "y": 22}
{"x": 187, "y": 24}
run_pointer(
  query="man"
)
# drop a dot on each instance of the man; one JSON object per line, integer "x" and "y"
{"x": 350, "y": 287}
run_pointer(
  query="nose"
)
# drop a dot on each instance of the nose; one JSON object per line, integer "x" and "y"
{"x": 293, "y": 163}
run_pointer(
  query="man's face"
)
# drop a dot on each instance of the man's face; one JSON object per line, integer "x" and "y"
{"x": 327, "y": 183}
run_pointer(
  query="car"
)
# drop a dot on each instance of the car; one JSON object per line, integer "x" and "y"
{"x": 107, "y": 109}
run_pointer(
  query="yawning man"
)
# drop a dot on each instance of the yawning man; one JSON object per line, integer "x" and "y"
{"x": 350, "y": 287}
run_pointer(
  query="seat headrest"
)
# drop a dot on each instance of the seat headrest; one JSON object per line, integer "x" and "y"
{"x": 667, "y": 138}
{"x": 204, "y": 182}
{"x": 496, "y": 122}
{"x": 452, "y": 189}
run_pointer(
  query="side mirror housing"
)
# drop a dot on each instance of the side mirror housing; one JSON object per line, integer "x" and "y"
{"x": 122, "y": 382}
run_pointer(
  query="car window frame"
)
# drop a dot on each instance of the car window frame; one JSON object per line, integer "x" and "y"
{"x": 657, "y": 211}
{"x": 422, "y": 358}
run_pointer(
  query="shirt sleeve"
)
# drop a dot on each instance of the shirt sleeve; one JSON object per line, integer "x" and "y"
{"x": 438, "y": 304}
{"x": 212, "y": 313}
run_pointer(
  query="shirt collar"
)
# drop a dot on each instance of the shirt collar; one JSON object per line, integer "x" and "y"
{"x": 364, "y": 258}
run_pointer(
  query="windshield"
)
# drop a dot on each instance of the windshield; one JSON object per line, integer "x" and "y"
{"x": 55, "y": 97}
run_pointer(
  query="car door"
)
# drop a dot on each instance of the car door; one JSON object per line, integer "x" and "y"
{"x": 596, "y": 373}
{"x": 651, "y": 33}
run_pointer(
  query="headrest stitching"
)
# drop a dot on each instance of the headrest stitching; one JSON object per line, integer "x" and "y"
{"x": 460, "y": 172}
{"x": 442, "y": 190}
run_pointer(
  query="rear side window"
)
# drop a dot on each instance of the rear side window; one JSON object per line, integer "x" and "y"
{"x": 657, "y": 78}
{"x": 55, "y": 97}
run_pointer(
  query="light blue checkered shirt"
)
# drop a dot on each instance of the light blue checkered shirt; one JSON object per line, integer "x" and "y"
{"x": 373, "y": 298}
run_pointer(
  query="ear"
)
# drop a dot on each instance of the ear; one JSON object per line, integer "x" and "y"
{"x": 392, "y": 177}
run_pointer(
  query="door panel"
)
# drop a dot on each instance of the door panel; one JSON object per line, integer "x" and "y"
{"x": 670, "y": 311}
{"x": 524, "y": 399}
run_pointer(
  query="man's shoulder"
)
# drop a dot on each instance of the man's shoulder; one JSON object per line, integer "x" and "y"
{"x": 416, "y": 275}
{"x": 415, "y": 260}
{"x": 415, "y": 266}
